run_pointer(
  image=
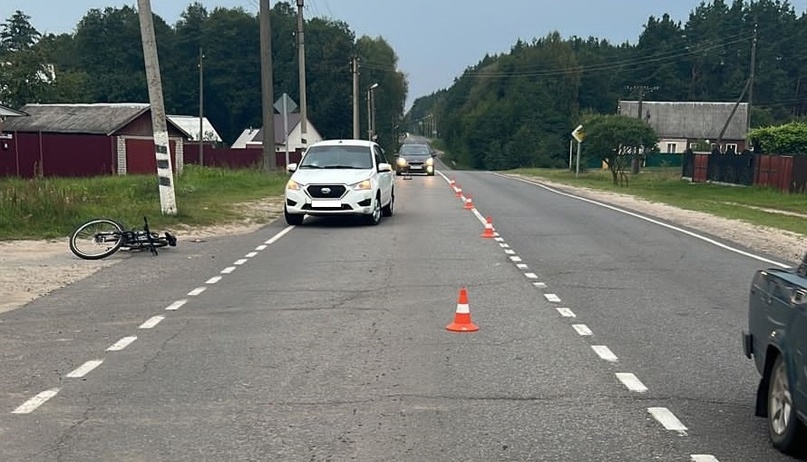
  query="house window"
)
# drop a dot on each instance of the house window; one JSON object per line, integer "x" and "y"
{"x": 731, "y": 147}
{"x": 693, "y": 146}
{"x": 671, "y": 148}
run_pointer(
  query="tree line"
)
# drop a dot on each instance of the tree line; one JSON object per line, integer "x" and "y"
{"x": 102, "y": 61}
{"x": 517, "y": 109}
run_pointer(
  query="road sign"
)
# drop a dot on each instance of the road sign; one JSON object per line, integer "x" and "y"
{"x": 579, "y": 134}
{"x": 285, "y": 105}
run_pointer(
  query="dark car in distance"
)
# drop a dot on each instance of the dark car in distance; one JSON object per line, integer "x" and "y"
{"x": 415, "y": 158}
{"x": 777, "y": 341}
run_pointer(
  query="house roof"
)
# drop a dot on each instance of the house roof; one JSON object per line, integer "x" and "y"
{"x": 280, "y": 138}
{"x": 691, "y": 120}
{"x": 94, "y": 118}
{"x": 8, "y": 112}
{"x": 190, "y": 125}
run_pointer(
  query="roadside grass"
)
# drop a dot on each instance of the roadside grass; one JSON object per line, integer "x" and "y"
{"x": 752, "y": 204}
{"x": 42, "y": 208}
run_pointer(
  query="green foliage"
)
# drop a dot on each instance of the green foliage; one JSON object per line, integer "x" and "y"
{"x": 790, "y": 139}
{"x": 51, "y": 207}
{"x": 616, "y": 140}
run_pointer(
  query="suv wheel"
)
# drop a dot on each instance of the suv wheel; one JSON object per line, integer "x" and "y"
{"x": 293, "y": 219}
{"x": 783, "y": 424}
{"x": 375, "y": 217}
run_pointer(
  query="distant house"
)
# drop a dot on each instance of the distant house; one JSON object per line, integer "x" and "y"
{"x": 190, "y": 125}
{"x": 692, "y": 125}
{"x": 86, "y": 140}
{"x": 5, "y": 137}
{"x": 252, "y": 138}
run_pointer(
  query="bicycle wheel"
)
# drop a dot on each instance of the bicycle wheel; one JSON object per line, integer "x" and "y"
{"x": 96, "y": 239}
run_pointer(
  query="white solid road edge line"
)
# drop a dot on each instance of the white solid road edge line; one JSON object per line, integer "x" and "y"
{"x": 667, "y": 419}
{"x": 631, "y": 382}
{"x": 605, "y": 353}
{"x": 122, "y": 343}
{"x": 85, "y": 369}
{"x": 151, "y": 322}
{"x": 703, "y": 458}
{"x": 38, "y": 400}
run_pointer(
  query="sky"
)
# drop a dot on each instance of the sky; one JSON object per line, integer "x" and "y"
{"x": 435, "y": 40}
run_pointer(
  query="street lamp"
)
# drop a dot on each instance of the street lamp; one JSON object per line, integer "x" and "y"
{"x": 371, "y": 111}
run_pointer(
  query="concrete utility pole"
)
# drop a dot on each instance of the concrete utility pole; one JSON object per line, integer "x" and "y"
{"x": 301, "y": 49}
{"x": 162, "y": 151}
{"x": 267, "y": 91}
{"x": 642, "y": 89}
{"x": 751, "y": 78}
{"x": 354, "y": 63}
{"x": 201, "y": 107}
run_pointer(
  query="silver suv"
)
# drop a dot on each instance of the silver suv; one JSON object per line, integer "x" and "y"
{"x": 340, "y": 177}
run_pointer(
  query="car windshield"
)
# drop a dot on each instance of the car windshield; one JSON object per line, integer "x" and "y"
{"x": 412, "y": 150}
{"x": 337, "y": 157}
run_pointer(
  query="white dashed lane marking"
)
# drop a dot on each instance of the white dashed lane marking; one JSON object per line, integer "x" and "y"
{"x": 667, "y": 419}
{"x": 582, "y": 330}
{"x": 197, "y": 291}
{"x": 213, "y": 280}
{"x": 261, "y": 247}
{"x": 515, "y": 259}
{"x": 84, "y": 369}
{"x": 176, "y": 305}
{"x": 228, "y": 270}
{"x": 251, "y": 254}
{"x": 240, "y": 262}
{"x": 522, "y": 266}
{"x": 540, "y": 285}
{"x": 510, "y": 252}
{"x": 631, "y": 382}
{"x": 531, "y": 275}
{"x": 121, "y": 344}
{"x": 605, "y": 353}
{"x": 703, "y": 458}
{"x": 151, "y": 322}
{"x": 552, "y": 298}
{"x": 33, "y": 403}
{"x": 566, "y": 313}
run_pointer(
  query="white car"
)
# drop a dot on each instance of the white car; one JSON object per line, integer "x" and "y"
{"x": 340, "y": 177}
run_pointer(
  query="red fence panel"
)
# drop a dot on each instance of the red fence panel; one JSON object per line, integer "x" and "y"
{"x": 701, "y": 172}
{"x": 774, "y": 171}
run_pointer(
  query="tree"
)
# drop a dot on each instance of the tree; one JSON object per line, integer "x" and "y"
{"x": 23, "y": 72}
{"x": 615, "y": 138}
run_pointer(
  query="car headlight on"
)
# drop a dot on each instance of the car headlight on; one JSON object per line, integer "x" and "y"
{"x": 365, "y": 185}
{"x": 429, "y": 162}
{"x": 401, "y": 162}
{"x": 293, "y": 185}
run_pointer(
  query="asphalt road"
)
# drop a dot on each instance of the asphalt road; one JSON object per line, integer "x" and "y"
{"x": 327, "y": 342}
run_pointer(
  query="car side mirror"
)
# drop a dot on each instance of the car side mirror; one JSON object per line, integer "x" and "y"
{"x": 799, "y": 298}
{"x": 384, "y": 167}
{"x": 291, "y": 168}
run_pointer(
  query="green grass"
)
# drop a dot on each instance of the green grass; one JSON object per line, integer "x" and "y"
{"x": 52, "y": 207}
{"x": 755, "y": 205}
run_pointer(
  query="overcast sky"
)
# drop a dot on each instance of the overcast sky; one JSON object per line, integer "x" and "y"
{"x": 435, "y": 40}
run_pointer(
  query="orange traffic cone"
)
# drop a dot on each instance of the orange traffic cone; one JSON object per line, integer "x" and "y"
{"x": 457, "y": 191}
{"x": 488, "y": 229}
{"x": 469, "y": 203}
{"x": 462, "y": 317}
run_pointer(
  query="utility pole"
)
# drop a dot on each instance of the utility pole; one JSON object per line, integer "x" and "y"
{"x": 162, "y": 151}
{"x": 369, "y": 115}
{"x": 267, "y": 92}
{"x": 354, "y": 63}
{"x": 751, "y": 79}
{"x": 201, "y": 107}
{"x": 301, "y": 49}
{"x": 642, "y": 89}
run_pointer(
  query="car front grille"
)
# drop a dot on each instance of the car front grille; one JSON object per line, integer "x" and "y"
{"x": 326, "y": 191}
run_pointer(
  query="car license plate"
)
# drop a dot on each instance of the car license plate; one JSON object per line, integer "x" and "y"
{"x": 326, "y": 204}
{"x": 416, "y": 167}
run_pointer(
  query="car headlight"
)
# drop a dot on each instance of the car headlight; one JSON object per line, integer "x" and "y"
{"x": 365, "y": 185}
{"x": 293, "y": 185}
{"x": 401, "y": 162}
{"x": 429, "y": 162}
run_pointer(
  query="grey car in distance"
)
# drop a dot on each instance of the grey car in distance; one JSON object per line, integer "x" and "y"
{"x": 777, "y": 341}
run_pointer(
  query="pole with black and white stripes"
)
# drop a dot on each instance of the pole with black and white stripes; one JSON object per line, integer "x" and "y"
{"x": 162, "y": 149}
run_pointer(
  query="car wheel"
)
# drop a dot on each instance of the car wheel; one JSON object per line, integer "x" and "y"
{"x": 293, "y": 219}
{"x": 389, "y": 209}
{"x": 783, "y": 424}
{"x": 375, "y": 217}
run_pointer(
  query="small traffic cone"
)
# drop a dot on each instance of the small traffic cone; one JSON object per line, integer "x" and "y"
{"x": 452, "y": 182}
{"x": 457, "y": 191}
{"x": 469, "y": 203}
{"x": 488, "y": 229}
{"x": 462, "y": 317}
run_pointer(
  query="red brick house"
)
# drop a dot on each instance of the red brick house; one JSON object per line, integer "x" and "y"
{"x": 85, "y": 140}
